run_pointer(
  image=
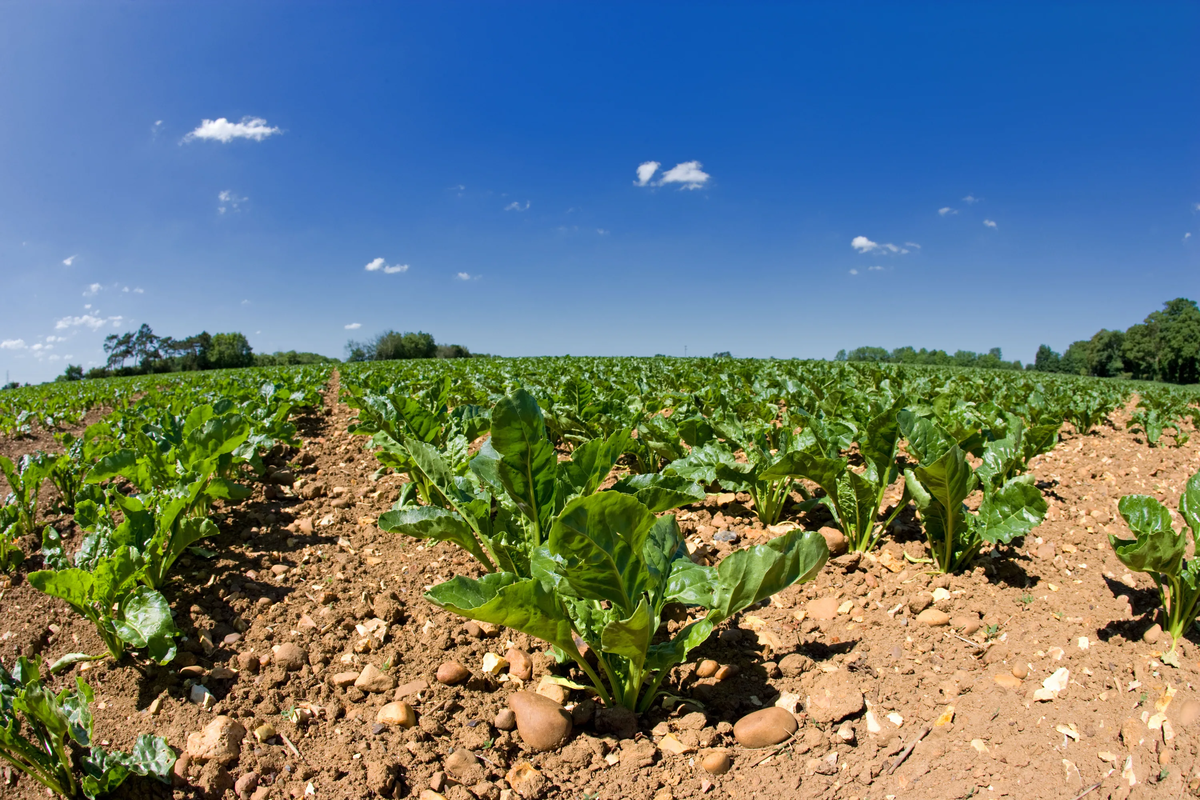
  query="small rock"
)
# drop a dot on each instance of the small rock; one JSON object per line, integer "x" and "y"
{"x": 388, "y": 607}
{"x": 764, "y": 728}
{"x": 541, "y": 723}
{"x": 452, "y": 673}
{"x": 245, "y": 785}
{"x": 1020, "y": 670}
{"x": 794, "y": 664}
{"x": 1008, "y": 681}
{"x": 1189, "y": 712}
{"x": 520, "y": 665}
{"x": 919, "y": 603}
{"x": 823, "y": 608}
{"x": 727, "y": 671}
{"x": 933, "y": 617}
{"x": 707, "y": 668}
{"x": 344, "y": 679}
{"x": 553, "y": 690}
{"x": 728, "y": 537}
{"x": 473, "y": 630}
{"x": 717, "y": 762}
{"x": 248, "y": 662}
{"x": 290, "y": 656}
{"x": 371, "y": 679}
{"x": 834, "y": 697}
{"x": 179, "y": 772}
{"x": 304, "y": 526}
{"x": 409, "y": 689}
{"x": 1152, "y": 634}
{"x": 397, "y": 713}
{"x": 283, "y": 477}
{"x": 265, "y": 731}
{"x": 505, "y": 720}
{"x": 526, "y": 781}
{"x": 835, "y": 540}
{"x": 220, "y": 741}
{"x": 460, "y": 762}
{"x": 846, "y": 733}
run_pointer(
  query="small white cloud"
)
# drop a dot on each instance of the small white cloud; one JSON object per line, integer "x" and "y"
{"x": 353, "y": 326}
{"x": 645, "y": 172}
{"x": 989, "y": 223}
{"x": 853, "y": 272}
{"x": 228, "y": 201}
{"x": 87, "y": 305}
{"x": 463, "y": 276}
{"x": 970, "y": 199}
{"x": 245, "y": 302}
{"x": 92, "y": 290}
{"x": 913, "y": 245}
{"x": 947, "y": 211}
{"x": 12, "y": 344}
{"x": 875, "y": 269}
{"x": 86, "y": 321}
{"x": 69, "y": 260}
{"x": 601, "y": 232}
{"x": 1196, "y": 207}
{"x": 688, "y": 175}
{"x": 138, "y": 290}
{"x": 224, "y": 131}
{"x": 864, "y": 245}
{"x": 1187, "y": 236}
{"x": 514, "y": 206}
{"x": 388, "y": 269}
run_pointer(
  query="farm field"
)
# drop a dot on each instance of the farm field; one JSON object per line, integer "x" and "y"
{"x": 303, "y": 516}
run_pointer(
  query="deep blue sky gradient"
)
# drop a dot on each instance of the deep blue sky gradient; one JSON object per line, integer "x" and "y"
{"x": 1078, "y": 126}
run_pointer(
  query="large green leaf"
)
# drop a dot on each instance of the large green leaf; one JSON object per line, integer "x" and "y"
{"x": 660, "y": 492}
{"x": 926, "y": 440}
{"x": 630, "y": 637}
{"x": 502, "y": 598}
{"x": 600, "y": 539}
{"x": 819, "y": 469}
{"x": 747, "y": 576}
{"x": 701, "y": 464}
{"x": 949, "y": 479}
{"x": 1013, "y": 510}
{"x": 528, "y": 464}
{"x": 590, "y": 464}
{"x": 1189, "y": 506}
{"x": 1157, "y": 548}
{"x": 432, "y": 522}
{"x": 147, "y": 624}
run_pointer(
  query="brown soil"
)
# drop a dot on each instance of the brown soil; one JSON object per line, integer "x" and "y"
{"x": 1061, "y": 600}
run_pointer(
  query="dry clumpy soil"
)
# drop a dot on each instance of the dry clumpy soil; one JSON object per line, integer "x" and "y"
{"x": 1039, "y": 677}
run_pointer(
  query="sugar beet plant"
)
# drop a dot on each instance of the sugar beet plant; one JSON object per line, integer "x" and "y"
{"x": 1159, "y": 551}
{"x": 49, "y": 738}
{"x": 565, "y": 560}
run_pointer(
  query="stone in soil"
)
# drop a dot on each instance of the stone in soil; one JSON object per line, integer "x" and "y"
{"x": 764, "y": 728}
{"x": 834, "y": 697}
{"x": 526, "y": 781}
{"x": 823, "y": 608}
{"x": 452, "y": 673}
{"x": 717, "y": 762}
{"x": 933, "y": 617}
{"x": 505, "y": 720}
{"x": 397, "y": 713}
{"x": 541, "y": 723}
{"x": 372, "y": 680}
{"x": 520, "y": 665}
{"x": 245, "y": 785}
{"x": 290, "y": 656}
{"x": 835, "y": 540}
{"x": 220, "y": 741}
{"x": 707, "y": 668}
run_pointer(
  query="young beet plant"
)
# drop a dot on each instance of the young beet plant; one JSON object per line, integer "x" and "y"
{"x": 49, "y": 738}
{"x": 1159, "y": 551}
{"x": 604, "y": 578}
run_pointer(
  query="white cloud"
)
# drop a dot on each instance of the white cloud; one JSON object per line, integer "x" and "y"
{"x": 864, "y": 245}
{"x": 1197, "y": 206}
{"x": 1187, "y": 236}
{"x": 245, "y": 302}
{"x": 388, "y": 269}
{"x": 69, "y": 260}
{"x": 224, "y": 131}
{"x": 946, "y": 211}
{"x": 463, "y": 276}
{"x": 138, "y": 290}
{"x": 514, "y": 206}
{"x": 228, "y": 201}
{"x": 645, "y": 172}
{"x": 989, "y": 223}
{"x": 875, "y": 269}
{"x": 853, "y": 272}
{"x": 602, "y": 231}
{"x": 87, "y": 305}
{"x": 971, "y": 199}
{"x": 353, "y": 326}
{"x": 688, "y": 175}
{"x": 87, "y": 320}
{"x": 92, "y": 290}
{"x": 12, "y": 344}
{"x": 913, "y": 245}
{"x": 37, "y": 348}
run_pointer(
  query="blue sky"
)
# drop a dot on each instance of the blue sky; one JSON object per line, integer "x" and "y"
{"x": 492, "y": 151}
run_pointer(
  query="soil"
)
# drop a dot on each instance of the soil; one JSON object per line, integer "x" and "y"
{"x": 866, "y": 684}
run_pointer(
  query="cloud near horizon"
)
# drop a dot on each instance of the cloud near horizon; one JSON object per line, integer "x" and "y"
{"x": 353, "y": 326}
{"x": 387, "y": 269}
{"x": 88, "y": 321}
{"x": 224, "y": 131}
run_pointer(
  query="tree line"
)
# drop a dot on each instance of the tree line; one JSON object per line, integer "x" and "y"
{"x": 1164, "y": 347}
{"x": 391, "y": 346}
{"x": 992, "y": 359}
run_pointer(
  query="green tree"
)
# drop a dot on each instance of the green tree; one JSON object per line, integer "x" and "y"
{"x": 1179, "y": 340}
{"x": 1077, "y": 360}
{"x": 230, "y": 350}
{"x": 1104, "y": 354}
{"x": 1047, "y": 360}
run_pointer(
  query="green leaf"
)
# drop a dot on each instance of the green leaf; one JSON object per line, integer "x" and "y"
{"x": 1013, "y": 510}
{"x": 747, "y": 576}
{"x": 146, "y": 623}
{"x": 438, "y": 524}
{"x": 660, "y": 492}
{"x": 502, "y": 598}
{"x": 528, "y": 464}
{"x": 1157, "y": 548}
{"x": 802, "y": 464}
{"x": 591, "y": 462}
{"x": 629, "y": 637}
{"x": 926, "y": 441}
{"x": 1189, "y": 506}
{"x": 949, "y": 479}
{"x": 600, "y": 539}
